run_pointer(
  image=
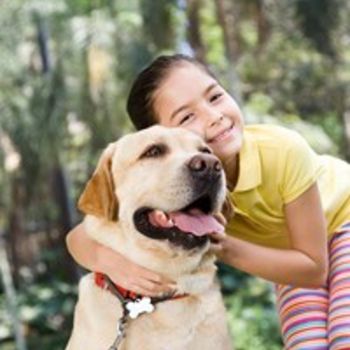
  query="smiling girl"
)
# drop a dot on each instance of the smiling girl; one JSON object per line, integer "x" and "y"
{"x": 292, "y": 206}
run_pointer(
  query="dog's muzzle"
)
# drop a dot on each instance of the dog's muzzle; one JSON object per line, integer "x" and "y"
{"x": 188, "y": 227}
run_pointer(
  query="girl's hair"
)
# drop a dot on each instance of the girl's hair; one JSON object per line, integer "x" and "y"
{"x": 140, "y": 100}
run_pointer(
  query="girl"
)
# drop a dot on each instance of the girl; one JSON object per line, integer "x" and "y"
{"x": 292, "y": 206}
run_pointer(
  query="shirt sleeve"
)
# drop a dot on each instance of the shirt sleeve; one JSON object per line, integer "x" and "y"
{"x": 298, "y": 164}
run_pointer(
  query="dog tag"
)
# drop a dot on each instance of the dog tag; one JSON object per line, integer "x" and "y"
{"x": 139, "y": 306}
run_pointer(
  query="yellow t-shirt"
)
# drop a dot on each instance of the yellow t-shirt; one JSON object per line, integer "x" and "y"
{"x": 276, "y": 166}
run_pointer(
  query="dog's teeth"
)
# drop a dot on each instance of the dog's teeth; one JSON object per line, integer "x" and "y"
{"x": 169, "y": 222}
{"x": 165, "y": 219}
{"x": 159, "y": 218}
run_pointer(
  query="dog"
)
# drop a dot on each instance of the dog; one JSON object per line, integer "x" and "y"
{"x": 153, "y": 198}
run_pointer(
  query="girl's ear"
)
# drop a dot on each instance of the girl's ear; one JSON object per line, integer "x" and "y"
{"x": 228, "y": 210}
{"x": 98, "y": 197}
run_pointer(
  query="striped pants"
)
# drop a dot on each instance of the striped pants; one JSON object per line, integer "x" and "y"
{"x": 319, "y": 319}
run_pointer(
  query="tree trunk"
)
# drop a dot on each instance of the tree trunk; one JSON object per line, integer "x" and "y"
{"x": 193, "y": 31}
{"x": 60, "y": 192}
{"x": 228, "y": 14}
{"x": 262, "y": 24}
{"x": 16, "y": 222}
{"x": 10, "y": 294}
{"x": 43, "y": 39}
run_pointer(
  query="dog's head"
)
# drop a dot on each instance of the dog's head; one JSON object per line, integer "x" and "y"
{"x": 163, "y": 182}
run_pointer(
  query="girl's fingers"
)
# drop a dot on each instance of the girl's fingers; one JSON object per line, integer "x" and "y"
{"x": 149, "y": 288}
{"x": 154, "y": 277}
{"x": 220, "y": 218}
{"x": 142, "y": 285}
{"x": 140, "y": 280}
{"x": 216, "y": 242}
{"x": 217, "y": 236}
{"x": 141, "y": 291}
{"x": 215, "y": 248}
{"x": 137, "y": 271}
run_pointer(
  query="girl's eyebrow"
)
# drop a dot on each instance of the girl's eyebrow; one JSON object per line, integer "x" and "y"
{"x": 181, "y": 108}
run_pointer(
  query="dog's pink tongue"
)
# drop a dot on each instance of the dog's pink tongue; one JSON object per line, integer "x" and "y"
{"x": 199, "y": 224}
{"x": 194, "y": 222}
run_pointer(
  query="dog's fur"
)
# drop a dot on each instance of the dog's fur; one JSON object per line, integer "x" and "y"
{"x": 132, "y": 175}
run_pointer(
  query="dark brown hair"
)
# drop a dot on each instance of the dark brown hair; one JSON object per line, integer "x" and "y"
{"x": 140, "y": 100}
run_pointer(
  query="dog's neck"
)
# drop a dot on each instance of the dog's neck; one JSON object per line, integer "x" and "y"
{"x": 192, "y": 274}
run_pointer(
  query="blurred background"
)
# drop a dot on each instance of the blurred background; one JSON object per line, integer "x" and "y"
{"x": 66, "y": 67}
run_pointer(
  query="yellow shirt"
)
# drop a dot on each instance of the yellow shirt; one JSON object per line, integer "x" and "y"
{"x": 276, "y": 166}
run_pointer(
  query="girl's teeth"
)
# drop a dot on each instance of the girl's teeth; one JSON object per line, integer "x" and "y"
{"x": 222, "y": 135}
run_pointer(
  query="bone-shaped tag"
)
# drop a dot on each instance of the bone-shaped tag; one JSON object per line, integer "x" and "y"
{"x": 139, "y": 307}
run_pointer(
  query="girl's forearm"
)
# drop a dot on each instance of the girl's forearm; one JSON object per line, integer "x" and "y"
{"x": 87, "y": 252}
{"x": 96, "y": 257}
{"x": 276, "y": 265}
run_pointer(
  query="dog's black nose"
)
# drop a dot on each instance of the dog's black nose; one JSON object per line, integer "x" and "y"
{"x": 204, "y": 164}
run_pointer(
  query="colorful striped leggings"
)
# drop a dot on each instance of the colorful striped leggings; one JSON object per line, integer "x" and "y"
{"x": 319, "y": 319}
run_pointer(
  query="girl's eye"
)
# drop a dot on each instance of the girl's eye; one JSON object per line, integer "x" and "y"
{"x": 215, "y": 97}
{"x": 154, "y": 151}
{"x": 186, "y": 118}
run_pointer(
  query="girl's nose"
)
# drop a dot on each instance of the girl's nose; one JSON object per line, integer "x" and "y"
{"x": 210, "y": 114}
{"x": 215, "y": 118}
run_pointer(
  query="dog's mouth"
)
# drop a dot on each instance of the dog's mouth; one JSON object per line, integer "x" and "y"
{"x": 188, "y": 227}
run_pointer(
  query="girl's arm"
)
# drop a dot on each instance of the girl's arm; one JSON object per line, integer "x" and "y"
{"x": 96, "y": 257}
{"x": 304, "y": 264}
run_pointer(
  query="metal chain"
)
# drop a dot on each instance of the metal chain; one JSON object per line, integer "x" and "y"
{"x": 122, "y": 323}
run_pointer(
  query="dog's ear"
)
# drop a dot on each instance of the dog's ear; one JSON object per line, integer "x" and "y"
{"x": 228, "y": 210}
{"x": 98, "y": 197}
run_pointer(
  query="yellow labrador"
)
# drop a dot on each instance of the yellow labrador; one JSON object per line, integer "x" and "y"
{"x": 152, "y": 198}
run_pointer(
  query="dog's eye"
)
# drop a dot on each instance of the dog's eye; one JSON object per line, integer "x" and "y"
{"x": 154, "y": 151}
{"x": 205, "y": 150}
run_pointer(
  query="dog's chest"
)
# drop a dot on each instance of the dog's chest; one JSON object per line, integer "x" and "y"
{"x": 172, "y": 322}
{"x": 173, "y": 325}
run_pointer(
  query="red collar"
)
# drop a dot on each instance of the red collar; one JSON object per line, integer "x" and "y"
{"x": 101, "y": 281}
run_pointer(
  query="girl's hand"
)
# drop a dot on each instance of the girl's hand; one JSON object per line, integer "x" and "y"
{"x": 218, "y": 239}
{"x": 218, "y": 242}
{"x": 131, "y": 276}
{"x": 123, "y": 272}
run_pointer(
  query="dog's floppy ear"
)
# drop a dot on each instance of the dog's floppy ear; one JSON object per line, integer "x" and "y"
{"x": 98, "y": 197}
{"x": 228, "y": 210}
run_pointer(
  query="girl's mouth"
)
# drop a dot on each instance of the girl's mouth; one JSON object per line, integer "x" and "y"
{"x": 223, "y": 135}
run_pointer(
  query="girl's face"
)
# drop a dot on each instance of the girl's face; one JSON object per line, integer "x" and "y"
{"x": 192, "y": 99}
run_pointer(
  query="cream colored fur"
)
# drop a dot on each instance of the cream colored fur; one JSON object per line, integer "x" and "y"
{"x": 195, "y": 322}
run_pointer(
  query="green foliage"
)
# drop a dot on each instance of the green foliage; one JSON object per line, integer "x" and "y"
{"x": 46, "y": 310}
{"x": 258, "y": 110}
{"x": 82, "y": 7}
{"x": 252, "y": 316}
{"x": 318, "y": 19}
{"x": 56, "y": 341}
{"x": 159, "y": 29}
{"x": 254, "y": 328}
{"x": 213, "y": 37}
{"x": 298, "y": 78}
